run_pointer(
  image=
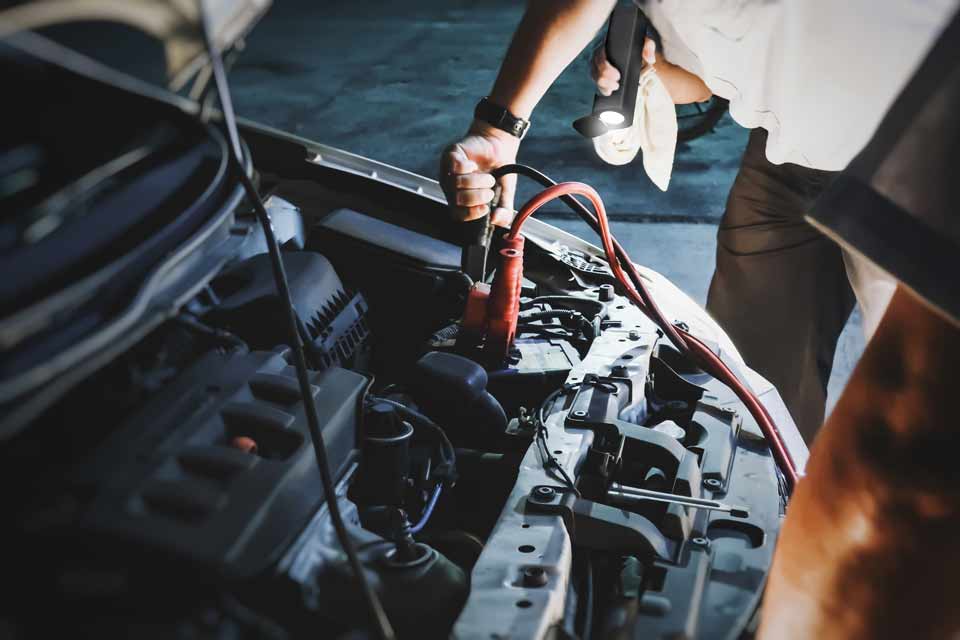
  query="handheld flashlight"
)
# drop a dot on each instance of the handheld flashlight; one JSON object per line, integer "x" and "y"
{"x": 626, "y": 31}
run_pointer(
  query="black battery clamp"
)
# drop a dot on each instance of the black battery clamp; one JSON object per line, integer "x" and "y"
{"x": 626, "y": 31}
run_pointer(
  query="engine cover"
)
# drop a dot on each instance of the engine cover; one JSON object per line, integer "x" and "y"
{"x": 334, "y": 318}
{"x": 171, "y": 483}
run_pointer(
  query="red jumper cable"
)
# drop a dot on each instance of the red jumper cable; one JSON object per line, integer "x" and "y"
{"x": 497, "y": 311}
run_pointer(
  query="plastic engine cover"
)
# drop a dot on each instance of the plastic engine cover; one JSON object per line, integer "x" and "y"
{"x": 170, "y": 482}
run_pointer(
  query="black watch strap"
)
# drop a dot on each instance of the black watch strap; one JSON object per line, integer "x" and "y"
{"x": 501, "y": 118}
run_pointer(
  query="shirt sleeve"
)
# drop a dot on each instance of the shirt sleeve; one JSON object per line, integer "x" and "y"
{"x": 897, "y": 202}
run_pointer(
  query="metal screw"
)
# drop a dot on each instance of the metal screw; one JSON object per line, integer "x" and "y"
{"x": 634, "y": 334}
{"x": 534, "y": 576}
{"x": 619, "y": 370}
{"x": 605, "y": 293}
{"x": 579, "y": 414}
{"x": 713, "y": 483}
{"x": 543, "y": 494}
{"x": 700, "y": 542}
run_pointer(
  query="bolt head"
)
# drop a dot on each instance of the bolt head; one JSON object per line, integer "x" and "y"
{"x": 534, "y": 576}
{"x": 700, "y": 542}
{"x": 543, "y": 494}
{"x": 713, "y": 483}
{"x": 579, "y": 414}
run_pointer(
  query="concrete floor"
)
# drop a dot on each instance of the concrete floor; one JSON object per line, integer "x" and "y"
{"x": 397, "y": 81}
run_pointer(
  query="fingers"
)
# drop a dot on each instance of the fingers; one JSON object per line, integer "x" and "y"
{"x": 649, "y": 51}
{"x": 473, "y": 197}
{"x": 603, "y": 73}
{"x": 606, "y": 86}
{"x": 464, "y": 187}
{"x": 451, "y": 160}
{"x": 463, "y": 174}
{"x": 458, "y": 162}
{"x": 607, "y": 76}
{"x": 466, "y": 156}
{"x": 475, "y": 181}
{"x": 471, "y": 189}
{"x": 502, "y": 217}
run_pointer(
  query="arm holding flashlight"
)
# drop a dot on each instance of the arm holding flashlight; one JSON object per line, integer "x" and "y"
{"x": 549, "y": 37}
{"x": 683, "y": 86}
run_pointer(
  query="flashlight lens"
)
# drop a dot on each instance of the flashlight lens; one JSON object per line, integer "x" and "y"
{"x": 611, "y": 118}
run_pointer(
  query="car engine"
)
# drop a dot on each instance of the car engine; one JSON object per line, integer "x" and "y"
{"x": 597, "y": 483}
{"x": 188, "y": 463}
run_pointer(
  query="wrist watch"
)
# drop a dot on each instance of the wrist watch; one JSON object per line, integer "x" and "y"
{"x": 500, "y": 118}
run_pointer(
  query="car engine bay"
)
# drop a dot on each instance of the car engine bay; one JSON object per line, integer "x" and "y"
{"x": 596, "y": 483}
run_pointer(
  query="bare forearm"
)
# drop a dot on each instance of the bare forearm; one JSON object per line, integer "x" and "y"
{"x": 549, "y": 37}
{"x": 684, "y": 87}
{"x": 869, "y": 545}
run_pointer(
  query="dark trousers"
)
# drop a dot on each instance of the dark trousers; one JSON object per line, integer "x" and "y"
{"x": 780, "y": 289}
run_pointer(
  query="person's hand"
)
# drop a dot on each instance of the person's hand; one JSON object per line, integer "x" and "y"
{"x": 606, "y": 75}
{"x": 465, "y": 177}
{"x": 683, "y": 86}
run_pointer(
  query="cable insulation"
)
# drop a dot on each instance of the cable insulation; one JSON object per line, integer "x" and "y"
{"x": 427, "y": 510}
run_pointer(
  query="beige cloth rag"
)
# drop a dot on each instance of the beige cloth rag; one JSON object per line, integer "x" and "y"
{"x": 654, "y": 130}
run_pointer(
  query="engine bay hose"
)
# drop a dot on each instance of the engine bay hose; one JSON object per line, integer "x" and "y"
{"x": 634, "y": 288}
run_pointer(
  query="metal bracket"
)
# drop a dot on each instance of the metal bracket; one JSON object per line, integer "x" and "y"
{"x": 598, "y": 526}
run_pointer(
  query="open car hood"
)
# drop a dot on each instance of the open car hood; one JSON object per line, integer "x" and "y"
{"x": 175, "y": 23}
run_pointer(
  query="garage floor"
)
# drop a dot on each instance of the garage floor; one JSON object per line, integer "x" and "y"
{"x": 396, "y": 81}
